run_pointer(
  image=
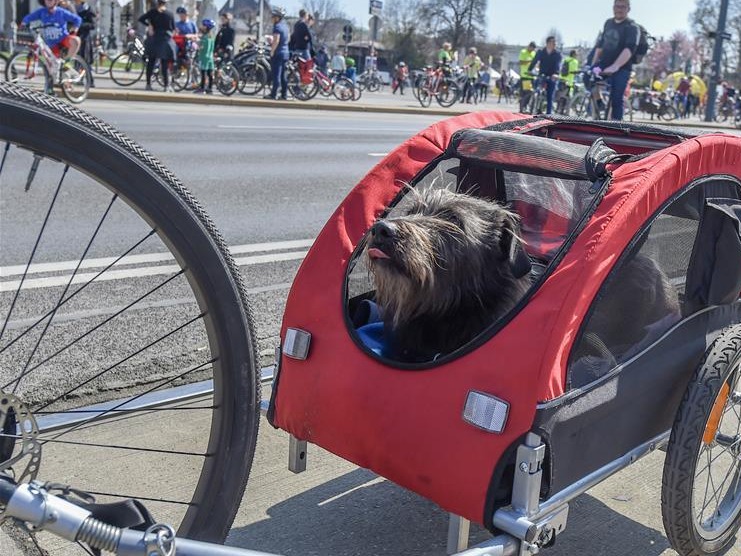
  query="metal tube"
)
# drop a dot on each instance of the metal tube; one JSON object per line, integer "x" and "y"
{"x": 502, "y": 545}
{"x": 717, "y": 53}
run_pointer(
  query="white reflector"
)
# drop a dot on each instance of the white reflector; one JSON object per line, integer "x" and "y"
{"x": 485, "y": 411}
{"x": 297, "y": 342}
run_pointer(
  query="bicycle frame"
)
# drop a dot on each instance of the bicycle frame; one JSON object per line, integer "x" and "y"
{"x": 42, "y": 52}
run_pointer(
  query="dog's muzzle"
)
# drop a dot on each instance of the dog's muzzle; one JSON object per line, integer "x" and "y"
{"x": 382, "y": 241}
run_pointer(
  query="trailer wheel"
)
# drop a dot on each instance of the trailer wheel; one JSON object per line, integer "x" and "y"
{"x": 701, "y": 486}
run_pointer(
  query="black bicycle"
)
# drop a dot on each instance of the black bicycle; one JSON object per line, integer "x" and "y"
{"x": 173, "y": 338}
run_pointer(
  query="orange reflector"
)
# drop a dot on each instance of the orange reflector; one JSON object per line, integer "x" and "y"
{"x": 717, "y": 412}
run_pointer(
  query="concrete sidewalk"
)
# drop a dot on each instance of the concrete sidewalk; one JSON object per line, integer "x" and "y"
{"x": 379, "y": 102}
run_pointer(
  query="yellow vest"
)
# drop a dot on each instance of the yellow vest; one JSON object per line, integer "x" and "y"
{"x": 526, "y": 56}
{"x": 573, "y": 68}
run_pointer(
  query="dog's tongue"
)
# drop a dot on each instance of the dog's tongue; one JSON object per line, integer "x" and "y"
{"x": 376, "y": 253}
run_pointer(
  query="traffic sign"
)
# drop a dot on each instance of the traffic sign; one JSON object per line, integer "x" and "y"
{"x": 375, "y": 7}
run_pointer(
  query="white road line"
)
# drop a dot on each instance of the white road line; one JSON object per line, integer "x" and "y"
{"x": 314, "y": 128}
{"x": 377, "y": 154}
{"x": 150, "y": 258}
{"x": 53, "y": 281}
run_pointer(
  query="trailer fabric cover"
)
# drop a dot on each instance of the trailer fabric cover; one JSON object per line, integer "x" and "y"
{"x": 407, "y": 425}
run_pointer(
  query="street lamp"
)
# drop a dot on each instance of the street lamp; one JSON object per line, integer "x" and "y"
{"x": 112, "y": 31}
{"x": 675, "y": 44}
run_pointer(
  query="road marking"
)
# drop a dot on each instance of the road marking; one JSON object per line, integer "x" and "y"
{"x": 315, "y": 128}
{"x": 149, "y": 268}
{"x": 377, "y": 154}
{"x": 150, "y": 258}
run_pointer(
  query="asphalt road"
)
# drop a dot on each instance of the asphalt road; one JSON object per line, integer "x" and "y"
{"x": 269, "y": 179}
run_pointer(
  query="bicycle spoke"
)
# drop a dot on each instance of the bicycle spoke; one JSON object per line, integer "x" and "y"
{"x": 66, "y": 289}
{"x": 138, "y": 396}
{"x": 33, "y": 251}
{"x": 122, "y": 361}
{"x": 93, "y": 329}
{"x": 80, "y": 289}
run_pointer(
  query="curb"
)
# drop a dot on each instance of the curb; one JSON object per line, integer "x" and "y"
{"x": 351, "y": 106}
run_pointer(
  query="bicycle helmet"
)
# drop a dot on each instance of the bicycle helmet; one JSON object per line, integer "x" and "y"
{"x": 278, "y": 12}
{"x": 208, "y": 23}
{"x": 182, "y": 10}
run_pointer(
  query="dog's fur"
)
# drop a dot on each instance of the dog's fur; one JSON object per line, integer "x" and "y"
{"x": 448, "y": 267}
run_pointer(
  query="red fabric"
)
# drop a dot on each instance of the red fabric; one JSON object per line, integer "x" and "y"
{"x": 407, "y": 425}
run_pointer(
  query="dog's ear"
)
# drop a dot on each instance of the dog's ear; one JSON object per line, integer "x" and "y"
{"x": 512, "y": 248}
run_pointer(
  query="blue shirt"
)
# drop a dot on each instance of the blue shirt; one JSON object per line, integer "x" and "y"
{"x": 58, "y": 20}
{"x": 281, "y": 29}
{"x": 186, "y": 27}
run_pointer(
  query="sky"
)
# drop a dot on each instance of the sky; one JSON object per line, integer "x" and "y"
{"x": 519, "y": 22}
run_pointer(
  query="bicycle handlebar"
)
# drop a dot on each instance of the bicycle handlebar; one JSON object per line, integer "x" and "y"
{"x": 34, "y": 505}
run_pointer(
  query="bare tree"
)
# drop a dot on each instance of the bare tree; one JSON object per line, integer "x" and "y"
{"x": 330, "y": 18}
{"x": 403, "y": 33}
{"x": 704, "y": 21}
{"x": 461, "y": 22}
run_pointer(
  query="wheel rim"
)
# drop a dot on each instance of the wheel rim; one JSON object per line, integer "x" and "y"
{"x": 50, "y": 356}
{"x": 716, "y": 497}
{"x": 23, "y": 71}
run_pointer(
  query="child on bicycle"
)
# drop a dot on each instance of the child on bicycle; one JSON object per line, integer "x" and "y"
{"x": 206, "y": 57}
{"x": 54, "y": 20}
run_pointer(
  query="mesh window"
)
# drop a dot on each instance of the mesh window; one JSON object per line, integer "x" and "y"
{"x": 639, "y": 301}
{"x": 549, "y": 209}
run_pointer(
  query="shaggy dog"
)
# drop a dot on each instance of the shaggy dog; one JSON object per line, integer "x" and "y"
{"x": 444, "y": 270}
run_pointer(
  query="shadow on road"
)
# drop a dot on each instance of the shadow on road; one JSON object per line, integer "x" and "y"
{"x": 359, "y": 513}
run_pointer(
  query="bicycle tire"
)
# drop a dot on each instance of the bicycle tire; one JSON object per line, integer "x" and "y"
{"x": 75, "y": 81}
{"x": 668, "y": 113}
{"x": 700, "y": 428}
{"x": 343, "y": 89}
{"x": 448, "y": 93}
{"x": 3, "y": 64}
{"x": 424, "y": 96}
{"x": 16, "y": 73}
{"x": 253, "y": 79}
{"x": 228, "y": 80}
{"x": 126, "y": 69}
{"x": 151, "y": 195}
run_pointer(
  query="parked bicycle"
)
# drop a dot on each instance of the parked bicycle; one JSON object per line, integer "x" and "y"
{"x": 436, "y": 84}
{"x": 128, "y": 67}
{"x": 226, "y": 76}
{"x": 39, "y": 68}
{"x": 252, "y": 62}
{"x": 370, "y": 80}
{"x": 305, "y": 81}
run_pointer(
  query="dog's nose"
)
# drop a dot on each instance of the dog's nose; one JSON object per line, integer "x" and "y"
{"x": 383, "y": 230}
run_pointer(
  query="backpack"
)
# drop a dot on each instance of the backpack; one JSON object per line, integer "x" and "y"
{"x": 642, "y": 47}
{"x": 565, "y": 69}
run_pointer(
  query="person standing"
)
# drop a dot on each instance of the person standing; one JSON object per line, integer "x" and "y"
{"x": 472, "y": 65}
{"x": 159, "y": 44}
{"x": 184, "y": 25}
{"x": 527, "y": 55}
{"x": 548, "y": 61}
{"x": 279, "y": 54}
{"x": 301, "y": 37}
{"x": 400, "y": 78}
{"x": 613, "y": 54}
{"x": 338, "y": 63}
{"x": 206, "y": 57}
{"x": 224, "y": 41}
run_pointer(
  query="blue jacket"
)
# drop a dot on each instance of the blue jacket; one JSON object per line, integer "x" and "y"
{"x": 58, "y": 20}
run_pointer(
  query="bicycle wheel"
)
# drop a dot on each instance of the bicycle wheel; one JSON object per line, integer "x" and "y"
{"x": 117, "y": 294}
{"x": 356, "y": 92}
{"x": 180, "y": 77}
{"x": 25, "y": 71}
{"x": 127, "y": 69}
{"x": 301, "y": 91}
{"x": 342, "y": 89}
{"x": 424, "y": 96}
{"x": 228, "y": 80}
{"x": 253, "y": 79}
{"x": 668, "y": 113}
{"x": 373, "y": 85}
{"x": 75, "y": 79}
{"x": 701, "y": 486}
{"x": 447, "y": 93}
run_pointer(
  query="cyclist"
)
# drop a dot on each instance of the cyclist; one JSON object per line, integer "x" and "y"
{"x": 548, "y": 60}
{"x": 55, "y": 20}
{"x": 527, "y": 55}
{"x": 472, "y": 65}
{"x": 279, "y": 54}
{"x": 206, "y": 57}
{"x": 185, "y": 26}
{"x": 613, "y": 54}
{"x": 569, "y": 70}
{"x": 444, "y": 57}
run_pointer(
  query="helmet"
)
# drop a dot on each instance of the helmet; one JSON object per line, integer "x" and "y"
{"x": 182, "y": 10}
{"x": 279, "y": 12}
{"x": 402, "y": 64}
{"x": 208, "y": 23}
